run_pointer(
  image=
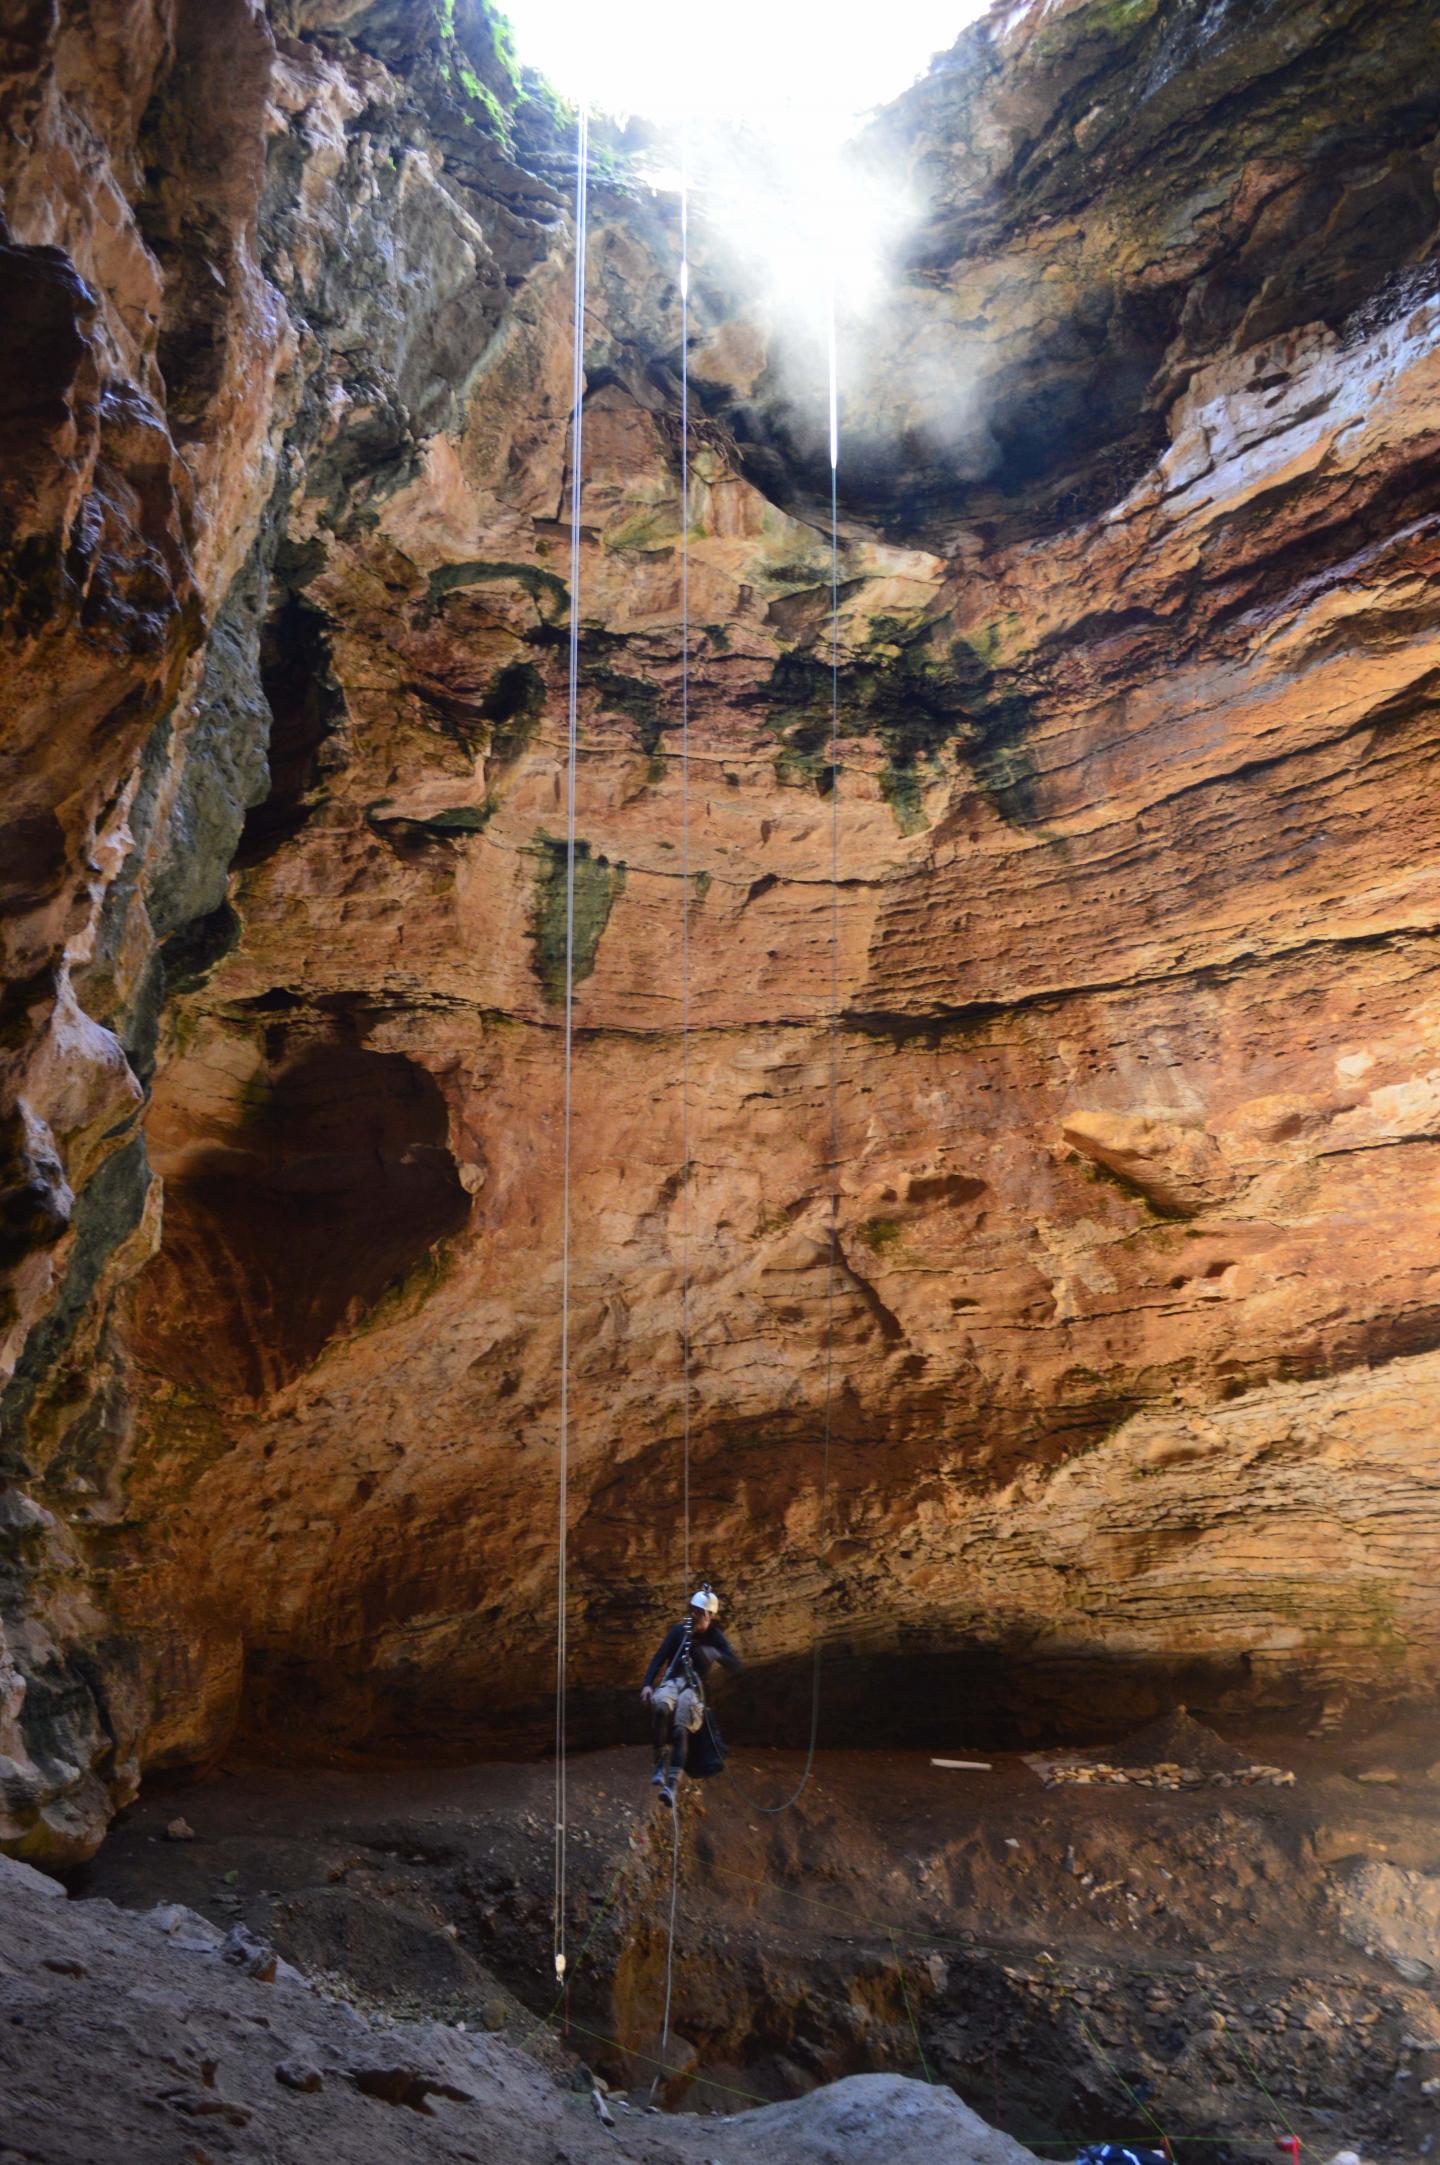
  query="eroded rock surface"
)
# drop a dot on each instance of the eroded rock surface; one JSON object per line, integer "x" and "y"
{"x": 1127, "y": 1321}
{"x": 1236, "y": 1959}
{"x": 179, "y": 2045}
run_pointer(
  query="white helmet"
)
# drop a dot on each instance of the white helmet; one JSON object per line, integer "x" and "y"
{"x": 705, "y": 1600}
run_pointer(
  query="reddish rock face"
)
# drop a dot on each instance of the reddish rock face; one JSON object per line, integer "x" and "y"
{"x": 338, "y": 1181}
{"x": 1118, "y": 1307}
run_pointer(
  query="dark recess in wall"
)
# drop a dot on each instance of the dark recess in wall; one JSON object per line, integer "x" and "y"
{"x": 339, "y": 1181}
{"x": 305, "y": 705}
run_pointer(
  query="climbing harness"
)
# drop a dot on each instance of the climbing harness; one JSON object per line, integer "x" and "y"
{"x": 577, "y": 417}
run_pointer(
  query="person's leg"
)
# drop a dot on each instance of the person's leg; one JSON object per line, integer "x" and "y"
{"x": 689, "y": 1711}
{"x": 662, "y": 1710}
{"x": 689, "y": 1714}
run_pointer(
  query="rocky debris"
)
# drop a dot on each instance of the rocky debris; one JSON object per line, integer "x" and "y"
{"x": 405, "y": 2084}
{"x": 1393, "y": 1911}
{"x": 1036, "y": 1938}
{"x": 1088, "y": 1773}
{"x": 301, "y": 2075}
{"x": 186, "y": 1927}
{"x": 179, "y": 1830}
{"x": 1175, "y": 1752}
{"x": 133, "y": 2046}
{"x": 243, "y": 1951}
{"x": 665, "y": 2068}
{"x": 1178, "y": 1739}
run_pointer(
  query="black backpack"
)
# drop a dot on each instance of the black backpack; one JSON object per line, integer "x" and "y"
{"x": 705, "y": 1751}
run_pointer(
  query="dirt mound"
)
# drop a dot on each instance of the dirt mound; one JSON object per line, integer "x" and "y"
{"x": 1178, "y": 1740}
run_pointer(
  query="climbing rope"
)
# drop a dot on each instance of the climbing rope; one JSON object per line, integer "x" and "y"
{"x": 833, "y": 1239}
{"x": 685, "y": 856}
{"x": 577, "y": 417}
{"x": 969, "y": 1946}
{"x": 561, "y": 1805}
{"x": 670, "y": 1928}
{"x": 832, "y": 1243}
{"x": 685, "y": 1379}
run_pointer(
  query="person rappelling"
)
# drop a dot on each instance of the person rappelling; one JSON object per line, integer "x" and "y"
{"x": 688, "y": 1651}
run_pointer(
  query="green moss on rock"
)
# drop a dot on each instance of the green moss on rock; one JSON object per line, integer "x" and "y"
{"x": 598, "y": 883}
{"x": 542, "y": 586}
{"x": 880, "y": 1235}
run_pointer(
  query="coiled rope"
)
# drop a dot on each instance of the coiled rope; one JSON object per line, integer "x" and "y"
{"x": 577, "y": 420}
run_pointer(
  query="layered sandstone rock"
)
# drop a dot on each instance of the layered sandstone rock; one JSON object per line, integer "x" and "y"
{"x": 1120, "y": 1308}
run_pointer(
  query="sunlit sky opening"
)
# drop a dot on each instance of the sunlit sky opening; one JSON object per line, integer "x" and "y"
{"x": 763, "y": 94}
{"x": 829, "y": 60}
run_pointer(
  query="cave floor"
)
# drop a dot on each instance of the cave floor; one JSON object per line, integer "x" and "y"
{"x": 1227, "y": 1965}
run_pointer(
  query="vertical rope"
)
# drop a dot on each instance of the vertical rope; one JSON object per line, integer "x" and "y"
{"x": 833, "y": 404}
{"x": 685, "y": 1588}
{"x": 577, "y": 391}
{"x": 670, "y": 1932}
{"x": 685, "y": 852}
{"x": 833, "y": 1243}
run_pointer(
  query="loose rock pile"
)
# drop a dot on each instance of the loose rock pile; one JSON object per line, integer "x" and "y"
{"x": 1167, "y": 1776}
{"x": 1176, "y": 1752}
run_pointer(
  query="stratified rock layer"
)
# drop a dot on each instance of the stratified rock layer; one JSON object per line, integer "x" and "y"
{"x": 1107, "y": 1356}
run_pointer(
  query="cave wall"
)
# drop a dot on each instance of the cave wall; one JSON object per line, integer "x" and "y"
{"x": 1132, "y": 1296}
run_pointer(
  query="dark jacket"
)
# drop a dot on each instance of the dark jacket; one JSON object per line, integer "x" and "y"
{"x": 670, "y": 1658}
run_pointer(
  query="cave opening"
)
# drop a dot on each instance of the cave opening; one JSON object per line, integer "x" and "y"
{"x": 337, "y": 1180}
{"x": 306, "y": 705}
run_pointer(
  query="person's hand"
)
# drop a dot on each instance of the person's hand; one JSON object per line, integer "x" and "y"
{"x": 646, "y": 1695}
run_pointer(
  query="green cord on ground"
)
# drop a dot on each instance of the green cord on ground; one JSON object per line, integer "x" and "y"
{"x": 910, "y": 2011}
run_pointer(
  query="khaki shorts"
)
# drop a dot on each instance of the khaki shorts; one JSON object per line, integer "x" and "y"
{"x": 685, "y": 1707}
